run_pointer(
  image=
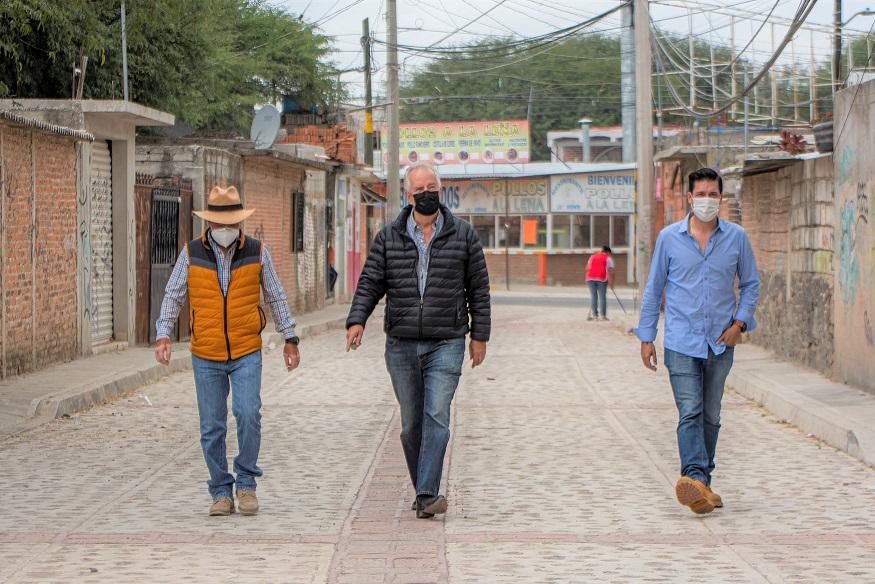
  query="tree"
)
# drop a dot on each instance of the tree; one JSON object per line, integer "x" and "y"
{"x": 570, "y": 80}
{"x": 206, "y": 61}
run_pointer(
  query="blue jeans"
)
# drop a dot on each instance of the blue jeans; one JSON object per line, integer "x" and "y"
{"x": 213, "y": 381}
{"x": 425, "y": 375}
{"x": 598, "y": 292}
{"x": 698, "y": 390}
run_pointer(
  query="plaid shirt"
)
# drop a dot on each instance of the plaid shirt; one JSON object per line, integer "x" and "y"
{"x": 418, "y": 236}
{"x": 177, "y": 290}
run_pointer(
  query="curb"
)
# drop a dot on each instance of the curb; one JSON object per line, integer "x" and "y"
{"x": 810, "y": 416}
{"x": 81, "y": 398}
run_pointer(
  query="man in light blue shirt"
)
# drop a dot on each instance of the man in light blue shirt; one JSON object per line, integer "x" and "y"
{"x": 696, "y": 262}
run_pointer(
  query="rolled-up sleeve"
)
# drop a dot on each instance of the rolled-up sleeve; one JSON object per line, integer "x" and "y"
{"x": 275, "y": 296}
{"x": 174, "y": 297}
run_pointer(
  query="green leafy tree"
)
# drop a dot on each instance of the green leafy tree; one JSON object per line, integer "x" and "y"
{"x": 558, "y": 84}
{"x": 206, "y": 61}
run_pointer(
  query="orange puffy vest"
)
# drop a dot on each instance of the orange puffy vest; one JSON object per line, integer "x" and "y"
{"x": 225, "y": 327}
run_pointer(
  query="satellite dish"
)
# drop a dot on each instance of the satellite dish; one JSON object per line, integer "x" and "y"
{"x": 265, "y": 127}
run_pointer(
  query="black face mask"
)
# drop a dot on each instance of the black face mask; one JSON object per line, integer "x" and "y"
{"x": 427, "y": 202}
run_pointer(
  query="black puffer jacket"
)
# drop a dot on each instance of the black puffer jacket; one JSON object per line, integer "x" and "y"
{"x": 457, "y": 285}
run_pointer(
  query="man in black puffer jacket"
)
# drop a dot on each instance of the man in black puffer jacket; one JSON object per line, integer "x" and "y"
{"x": 431, "y": 268}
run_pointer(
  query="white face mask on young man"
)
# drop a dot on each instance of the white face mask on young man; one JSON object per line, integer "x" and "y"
{"x": 225, "y": 236}
{"x": 705, "y": 208}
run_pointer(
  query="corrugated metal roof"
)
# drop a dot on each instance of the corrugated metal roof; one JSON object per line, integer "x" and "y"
{"x": 45, "y": 126}
{"x": 487, "y": 171}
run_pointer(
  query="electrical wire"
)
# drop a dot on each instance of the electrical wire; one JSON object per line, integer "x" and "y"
{"x": 805, "y": 8}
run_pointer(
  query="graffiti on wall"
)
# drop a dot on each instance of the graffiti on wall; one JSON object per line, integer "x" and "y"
{"x": 846, "y": 164}
{"x": 849, "y": 262}
{"x": 867, "y": 329}
{"x": 862, "y": 203}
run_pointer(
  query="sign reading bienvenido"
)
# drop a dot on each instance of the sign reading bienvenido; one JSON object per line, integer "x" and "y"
{"x": 464, "y": 142}
{"x": 596, "y": 192}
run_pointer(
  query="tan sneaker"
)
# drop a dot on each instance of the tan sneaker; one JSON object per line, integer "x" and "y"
{"x": 222, "y": 507}
{"x": 694, "y": 494}
{"x": 714, "y": 498}
{"x": 247, "y": 501}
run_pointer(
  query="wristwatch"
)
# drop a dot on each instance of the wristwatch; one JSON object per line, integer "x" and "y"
{"x": 293, "y": 340}
{"x": 743, "y": 326}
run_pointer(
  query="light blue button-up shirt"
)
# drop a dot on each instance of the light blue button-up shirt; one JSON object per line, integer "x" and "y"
{"x": 700, "y": 300}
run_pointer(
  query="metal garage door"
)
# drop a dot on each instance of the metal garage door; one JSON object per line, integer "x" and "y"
{"x": 101, "y": 243}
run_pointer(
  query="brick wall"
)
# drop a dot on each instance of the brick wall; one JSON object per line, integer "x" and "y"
{"x": 562, "y": 269}
{"x": 39, "y": 312}
{"x": 789, "y": 217}
{"x": 570, "y": 270}
{"x": 338, "y": 141}
{"x": 269, "y": 185}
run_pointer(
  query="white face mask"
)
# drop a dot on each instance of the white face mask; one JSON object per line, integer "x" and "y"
{"x": 225, "y": 236}
{"x": 705, "y": 208}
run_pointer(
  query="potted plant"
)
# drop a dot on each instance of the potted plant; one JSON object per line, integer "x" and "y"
{"x": 792, "y": 143}
{"x": 823, "y": 132}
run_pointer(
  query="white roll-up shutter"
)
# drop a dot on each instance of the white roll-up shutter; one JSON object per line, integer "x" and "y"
{"x": 101, "y": 243}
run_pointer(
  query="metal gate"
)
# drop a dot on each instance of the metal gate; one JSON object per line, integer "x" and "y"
{"x": 163, "y": 227}
{"x": 164, "y": 247}
{"x": 101, "y": 243}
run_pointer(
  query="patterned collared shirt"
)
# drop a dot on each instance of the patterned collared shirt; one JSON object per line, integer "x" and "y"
{"x": 418, "y": 236}
{"x": 177, "y": 290}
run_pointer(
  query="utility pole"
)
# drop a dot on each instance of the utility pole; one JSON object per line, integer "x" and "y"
{"x": 393, "y": 171}
{"x": 746, "y": 114}
{"x": 692, "y": 61}
{"x": 795, "y": 82}
{"x": 733, "y": 68}
{"x": 369, "y": 113}
{"x": 529, "y": 108}
{"x": 812, "y": 81}
{"x": 713, "y": 79}
{"x": 773, "y": 75}
{"x": 124, "y": 52}
{"x": 644, "y": 127}
{"x": 627, "y": 84}
{"x": 837, "y": 46}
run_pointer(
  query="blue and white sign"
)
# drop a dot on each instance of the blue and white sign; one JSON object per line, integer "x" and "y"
{"x": 595, "y": 192}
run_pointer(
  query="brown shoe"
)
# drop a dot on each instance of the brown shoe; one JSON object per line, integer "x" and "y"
{"x": 714, "y": 498}
{"x": 694, "y": 494}
{"x": 222, "y": 507}
{"x": 247, "y": 502}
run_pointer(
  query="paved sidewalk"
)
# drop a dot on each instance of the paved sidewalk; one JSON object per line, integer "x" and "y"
{"x": 63, "y": 389}
{"x": 561, "y": 469}
{"x": 839, "y": 414}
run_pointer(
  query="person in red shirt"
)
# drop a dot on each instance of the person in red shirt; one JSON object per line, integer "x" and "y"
{"x": 600, "y": 275}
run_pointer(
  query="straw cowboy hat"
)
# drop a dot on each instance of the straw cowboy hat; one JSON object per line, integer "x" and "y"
{"x": 224, "y": 207}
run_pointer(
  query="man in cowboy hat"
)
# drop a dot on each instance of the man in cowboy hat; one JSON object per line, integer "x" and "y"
{"x": 223, "y": 272}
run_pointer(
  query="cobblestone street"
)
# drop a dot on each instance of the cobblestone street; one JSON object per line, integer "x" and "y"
{"x": 561, "y": 469}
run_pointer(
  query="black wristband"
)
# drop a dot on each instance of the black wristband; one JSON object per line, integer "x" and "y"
{"x": 293, "y": 340}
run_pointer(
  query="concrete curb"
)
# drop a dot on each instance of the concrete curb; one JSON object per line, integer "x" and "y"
{"x": 815, "y": 417}
{"x": 106, "y": 389}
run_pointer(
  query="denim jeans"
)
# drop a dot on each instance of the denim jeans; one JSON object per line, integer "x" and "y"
{"x": 698, "y": 390}
{"x": 425, "y": 375}
{"x": 213, "y": 381}
{"x": 599, "y": 298}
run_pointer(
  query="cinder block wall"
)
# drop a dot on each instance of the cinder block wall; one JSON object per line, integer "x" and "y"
{"x": 789, "y": 215}
{"x": 38, "y": 304}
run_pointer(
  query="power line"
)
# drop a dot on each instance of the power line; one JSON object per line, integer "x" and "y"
{"x": 805, "y": 8}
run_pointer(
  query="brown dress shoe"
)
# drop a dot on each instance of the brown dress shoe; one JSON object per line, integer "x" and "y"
{"x": 714, "y": 498}
{"x": 247, "y": 501}
{"x": 222, "y": 507}
{"x": 694, "y": 494}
